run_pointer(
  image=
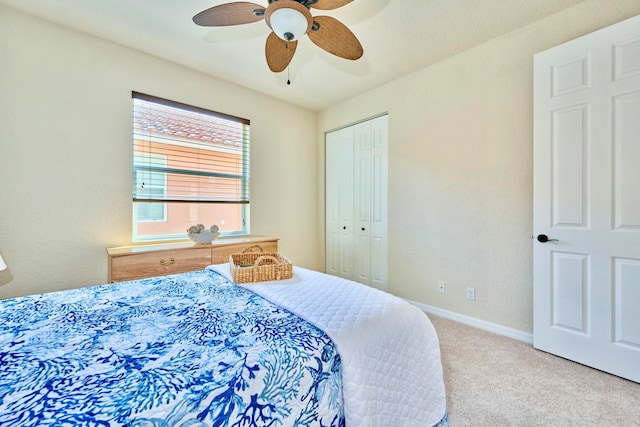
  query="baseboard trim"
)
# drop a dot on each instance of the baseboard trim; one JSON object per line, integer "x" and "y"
{"x": 477, "y": 323}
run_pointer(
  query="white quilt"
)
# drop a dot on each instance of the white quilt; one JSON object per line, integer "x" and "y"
{"x": 392, "y": 374}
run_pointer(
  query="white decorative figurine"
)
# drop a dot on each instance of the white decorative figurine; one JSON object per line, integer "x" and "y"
{"x": 201, "y": 235}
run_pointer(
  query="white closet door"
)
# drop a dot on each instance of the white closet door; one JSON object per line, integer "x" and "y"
{"x": 340, "y": 204}
{"x": 586, "y": 195}
{"x": 362, "y": 196}
{"x": 345, "y": 184}
{"x": 356, "y": 202}
{"x": 332, "y": 204}
{"x": 379, "y": 202}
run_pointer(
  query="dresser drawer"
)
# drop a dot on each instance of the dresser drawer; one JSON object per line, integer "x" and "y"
{"x": 220, "y": 255}
{"x": 138, "y": 262}
{"x": 159, "y": 263}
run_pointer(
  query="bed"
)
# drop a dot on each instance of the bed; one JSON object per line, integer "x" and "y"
{"x": 195, "y": 349}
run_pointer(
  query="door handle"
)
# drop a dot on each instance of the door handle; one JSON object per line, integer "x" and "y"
{"x": 542, "y": 238}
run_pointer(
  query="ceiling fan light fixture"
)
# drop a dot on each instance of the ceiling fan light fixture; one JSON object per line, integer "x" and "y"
{"x": 288, "y": 24}
{"x": 289, "y": 19}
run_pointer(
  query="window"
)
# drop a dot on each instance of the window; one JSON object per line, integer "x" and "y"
{"x": 190, "y": 166}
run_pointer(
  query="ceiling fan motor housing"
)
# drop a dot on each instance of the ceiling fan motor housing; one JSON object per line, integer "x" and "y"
{"x": 289, "y": 19}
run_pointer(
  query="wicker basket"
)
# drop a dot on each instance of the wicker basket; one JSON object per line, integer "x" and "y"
{"x": 248, "y": 267}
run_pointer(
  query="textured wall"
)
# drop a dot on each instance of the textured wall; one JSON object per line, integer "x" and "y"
{"x": 65, "y": 153}
{"x": 461, "y": 168}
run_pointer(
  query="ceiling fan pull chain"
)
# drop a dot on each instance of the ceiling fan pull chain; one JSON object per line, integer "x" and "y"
{"x": 286, "y": 46}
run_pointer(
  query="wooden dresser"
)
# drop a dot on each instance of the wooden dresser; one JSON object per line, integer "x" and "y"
{"x": 138, "y": 262}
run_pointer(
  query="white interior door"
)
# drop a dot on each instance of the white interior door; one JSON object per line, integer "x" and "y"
{"x": 378, "y": 222}
{"x": 362, "y": 197}
{"x": 332, "y": 204}
{"x": 346, "y": 182}
{"x": 356, "y": 202}
{"x": 587, "y": 198}
{"x": 339, "y": 216}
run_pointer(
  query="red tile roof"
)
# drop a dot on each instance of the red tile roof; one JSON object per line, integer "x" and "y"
{"x": 164, "y": 121}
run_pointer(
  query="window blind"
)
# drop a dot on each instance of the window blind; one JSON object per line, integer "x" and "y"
{"x": 183, "y": 153}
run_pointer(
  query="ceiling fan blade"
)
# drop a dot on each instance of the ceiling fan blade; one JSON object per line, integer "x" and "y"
{"x": 330, "y": 4}
{"x": 334, "y": 37}
{"x": 240, "y": 12}
{"x": 279, "y": 52}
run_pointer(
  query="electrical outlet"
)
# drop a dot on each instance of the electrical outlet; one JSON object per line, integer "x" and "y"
{"x": 441, "y": 287}
{"x": 471, "y": 294}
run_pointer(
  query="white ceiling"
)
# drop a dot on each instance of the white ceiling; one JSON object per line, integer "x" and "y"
{"x": 398, "y": 36}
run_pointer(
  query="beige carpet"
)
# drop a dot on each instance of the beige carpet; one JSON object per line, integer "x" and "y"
{"x": 496, "y": 381}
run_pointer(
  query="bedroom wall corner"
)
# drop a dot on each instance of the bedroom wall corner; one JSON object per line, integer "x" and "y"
{"x": 65, "y": 153}
{"x": 460, "y": 168}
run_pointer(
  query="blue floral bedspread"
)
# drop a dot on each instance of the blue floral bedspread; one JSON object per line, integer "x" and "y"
{"x": 191, "y": 349}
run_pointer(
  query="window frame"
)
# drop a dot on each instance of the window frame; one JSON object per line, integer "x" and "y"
{"x": 243, "y": 178}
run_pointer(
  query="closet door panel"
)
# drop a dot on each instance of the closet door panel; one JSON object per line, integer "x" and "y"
{"x": 362, "y": 197}
{"x": 379, "y": 202}
{"x": 345, "y": 184}
{"x": 332, "y": 205}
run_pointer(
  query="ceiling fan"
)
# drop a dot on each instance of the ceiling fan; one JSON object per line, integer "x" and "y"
{"x": 289, "y": 20}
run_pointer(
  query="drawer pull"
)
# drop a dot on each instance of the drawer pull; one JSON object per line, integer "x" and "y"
{"x": 165, "y": 262}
